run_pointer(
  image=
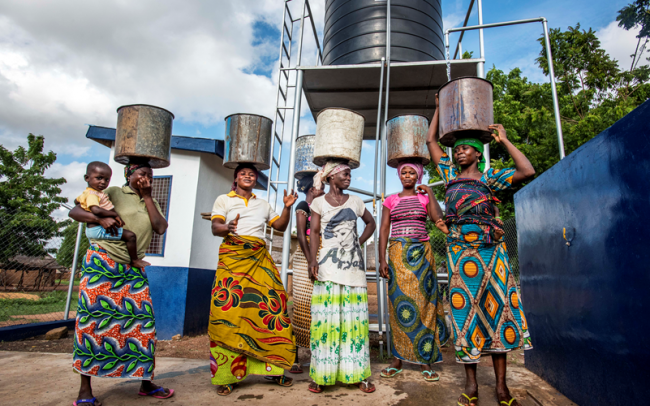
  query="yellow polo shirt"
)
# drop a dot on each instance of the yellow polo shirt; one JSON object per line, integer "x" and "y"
{"x": 253, "y": 213}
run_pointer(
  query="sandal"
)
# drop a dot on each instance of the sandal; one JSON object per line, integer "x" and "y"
{"x": 153, "y": 393}
{"x": 229, "y": 388}
{"x": 388, "y": 371}
{"x": 314, "y": 387}
{"x": 281, "y": 380}
{"x": 472, "y": 401}
{"x": 503, "y": 402}
{"x": 433, "y": 376}
{"x": 296, "y": 369}
{"x": 364, "y": 386}
{"x": 80, "y": 401}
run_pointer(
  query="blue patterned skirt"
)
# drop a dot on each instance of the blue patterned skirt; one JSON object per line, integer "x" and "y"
{"x": 115, "y": 330}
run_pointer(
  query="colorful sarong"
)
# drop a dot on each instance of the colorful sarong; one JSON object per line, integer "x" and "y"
{"x": 115, "y": 330}
{"x": 487, "y": 314}
{"x": 250, "y": 329}
{"x": 340, "y": 348}
{"x": 417, "y": 317}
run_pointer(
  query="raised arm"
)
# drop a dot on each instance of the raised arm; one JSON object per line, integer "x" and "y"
{"x": 282, "y": 223}
{"x": 432, "y": 137}
{"x": 301, "y": 226}
{"x": 370, "y": 227}
{"x": 158, "y": 222}
{"x": 384, "y": 232}
{"x": 523, "y": 168}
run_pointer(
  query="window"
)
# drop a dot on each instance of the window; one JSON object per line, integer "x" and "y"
{"x": 161, "y": 189}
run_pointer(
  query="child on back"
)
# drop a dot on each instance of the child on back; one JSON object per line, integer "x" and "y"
{"x": 93, "y": 199}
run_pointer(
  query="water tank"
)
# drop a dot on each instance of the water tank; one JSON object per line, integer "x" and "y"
{"x": 355, "y": 31}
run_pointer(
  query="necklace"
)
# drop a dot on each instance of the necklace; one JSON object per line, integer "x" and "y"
{"x": 337, "y": 200}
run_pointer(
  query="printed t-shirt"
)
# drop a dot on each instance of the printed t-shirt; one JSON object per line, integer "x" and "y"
{"x": 132, "y": 209}
{"x": 91, "y": 197}
{"x": 408, "y": 216}
{"x": 340, "y": 259}
{"x": 253, "y": 213}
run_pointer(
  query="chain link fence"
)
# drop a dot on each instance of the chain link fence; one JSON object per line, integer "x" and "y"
{"x": 36, "y": 256}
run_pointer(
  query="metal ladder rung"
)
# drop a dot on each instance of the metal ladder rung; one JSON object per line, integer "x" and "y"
{"x": 286, "y": 29}
{"x": 277, "y": 137}
{"x": 284, "y": 108}
{"x": 274, "y": 187}
{"x": 275, "y": 161}
{"x": 286, "y": 73}
{"x": 284, "y": 96}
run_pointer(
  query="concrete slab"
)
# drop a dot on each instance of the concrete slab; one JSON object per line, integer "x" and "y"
{"x": 47, "y": 379}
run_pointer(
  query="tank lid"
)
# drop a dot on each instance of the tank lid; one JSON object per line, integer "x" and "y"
{"x": 306, "y": 135}
{"x": 339, "y": 108}
{"x": 465, "y": 77}
{"x": 144, "y": 105}
{"x": 247, "y": 114}
{"x": 409, "y": 114}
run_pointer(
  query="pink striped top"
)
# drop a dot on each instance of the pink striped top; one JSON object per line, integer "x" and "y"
{"x": 408, "y": 216}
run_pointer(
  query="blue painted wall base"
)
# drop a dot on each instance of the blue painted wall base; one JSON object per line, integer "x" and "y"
{"x": 587, "y": 304}
{"x": 181, "y": 299}
{"x": 15, "y": 333}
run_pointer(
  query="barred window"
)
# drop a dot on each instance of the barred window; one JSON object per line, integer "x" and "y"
{"x": 160, "y": 190}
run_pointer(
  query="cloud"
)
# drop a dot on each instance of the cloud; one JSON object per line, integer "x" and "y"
{"x": 67, "y": 64}
{"x": 619, "y": 44}
{"x": 74, "y": 175}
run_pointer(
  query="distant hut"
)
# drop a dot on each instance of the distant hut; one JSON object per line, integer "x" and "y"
{"x": 23, "y": 272}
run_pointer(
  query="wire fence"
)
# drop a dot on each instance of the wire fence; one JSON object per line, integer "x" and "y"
{"x": 36, "y": 256}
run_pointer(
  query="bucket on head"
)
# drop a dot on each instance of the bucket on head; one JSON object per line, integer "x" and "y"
{"x": 305, "y": 156}
{"x": 248, "y": 140}
{"x": 466, "y": 110}
{"x": 339, "y": 136}
{"x": 407, "y": 139}
{"x": 143, "y": 134}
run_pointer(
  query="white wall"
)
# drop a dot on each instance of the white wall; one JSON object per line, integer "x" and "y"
{"x": 213, "y": 180}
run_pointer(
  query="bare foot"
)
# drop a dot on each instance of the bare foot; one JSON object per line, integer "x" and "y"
{"x": 138, "y": 263}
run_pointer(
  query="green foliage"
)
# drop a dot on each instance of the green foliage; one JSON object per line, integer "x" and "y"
{"x": 27, "y": 200}
{"x": 66, "y": 252}
{"x": 636, "y": 15}
{"x": 593, "y": 94}
{"x": 49, "y": 303}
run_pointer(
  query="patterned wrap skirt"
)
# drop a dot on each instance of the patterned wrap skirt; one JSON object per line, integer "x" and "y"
{"x": 115, "y": 329}
{"x": 417, "y": 316}
{"x": 250, "y": 330}
{"x": 486, "y": 309}
{"x": 340, "y": 348}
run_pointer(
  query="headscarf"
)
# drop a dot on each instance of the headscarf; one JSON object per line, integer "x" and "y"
{"x": 131, "y": 168}
{"x": 418, "y": 167}
{"x": 239, "y": 168}
{"x": 477, "y": 145}
{"x": 331, "y": 168}
{"x": 305, "y": 184}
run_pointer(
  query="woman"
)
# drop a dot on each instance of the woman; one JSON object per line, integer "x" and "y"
{"x": 339, "y": 304}
{"x": 417, "y": 316}
{"x": 115, "y": 329}
{"x": 302, "y": 305}
{"x": 486, "y": 312}
{"x": 250, "y": 331}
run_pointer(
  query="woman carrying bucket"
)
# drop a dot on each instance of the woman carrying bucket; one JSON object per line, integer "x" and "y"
{"x": 417, "y": 316}
{"x": 250, "y": 330}
{"x": 303, "y": 286}
{"x": 486, "y": 313}
{"x": 340, "y": 348}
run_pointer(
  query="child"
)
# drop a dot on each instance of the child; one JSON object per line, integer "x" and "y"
{"x": 93, "y": 199}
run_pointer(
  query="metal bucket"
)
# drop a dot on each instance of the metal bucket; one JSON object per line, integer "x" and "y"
{"x": 407, "y": 139}
{"x": 305, "y": 156}
{"x": 466, "y": 110}
{"x": 143, "y": 134}
{"x": 248, "y": 140}
{"x": 339, "y": 136}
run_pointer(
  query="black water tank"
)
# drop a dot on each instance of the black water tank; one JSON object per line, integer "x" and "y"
{"x": 355, "y": 31}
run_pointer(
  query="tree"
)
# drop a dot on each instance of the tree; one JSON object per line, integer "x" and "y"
{"x": 636, "y": 15}
{"x": 27, "y": 200}
{"x": 65, "y": 254}
{"x": 593, "y": 94}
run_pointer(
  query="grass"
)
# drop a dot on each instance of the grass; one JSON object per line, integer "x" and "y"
{"x": 66, "y": 282}
{"x": 50, "y": 302}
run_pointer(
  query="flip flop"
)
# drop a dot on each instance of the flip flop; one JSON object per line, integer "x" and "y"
{"x": 229, "y": 388}
{"x": 508, "y": 403}
{"x": 367, "y": 389}
{"x": 281, "y": 380}
{"x": 91, "y": 401}
{"x": 153, "y": 393}
{"x": 383, "y": 375}
{"x": 469, "y": 399}
{"x": 317, "y": 389}
{"x": 296, "y": 369}
{"x": 431, "y": 376}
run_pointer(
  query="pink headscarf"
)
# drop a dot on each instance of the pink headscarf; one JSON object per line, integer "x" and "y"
{"x": 330, "y": 168}
{"x": 419, "y": 169}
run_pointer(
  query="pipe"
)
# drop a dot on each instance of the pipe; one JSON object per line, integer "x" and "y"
{"x": 384, "y": 150}
{"x": 481, "y": 42}
{"x": 556, "y": 103}
{"x": 75, "y": 260}
{"x": 460, "y": 40}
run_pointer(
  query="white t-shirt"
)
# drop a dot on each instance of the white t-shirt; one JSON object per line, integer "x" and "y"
{"x": 253, "y": 213}
{"x": 340, "y": 258}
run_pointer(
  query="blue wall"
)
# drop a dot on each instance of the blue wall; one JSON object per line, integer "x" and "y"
{"x": 181, "y": 300}
{"x": 587, "y": 304}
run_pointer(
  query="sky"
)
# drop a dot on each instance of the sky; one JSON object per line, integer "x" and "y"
{"x": 67, "y": 64}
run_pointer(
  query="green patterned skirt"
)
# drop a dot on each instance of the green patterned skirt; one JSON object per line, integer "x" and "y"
{"x": 340, "y": 348}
